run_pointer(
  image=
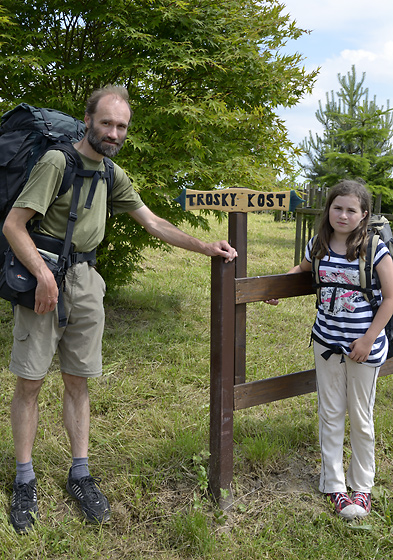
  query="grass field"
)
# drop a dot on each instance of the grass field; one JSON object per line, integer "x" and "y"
{"x": 150, "y": 431}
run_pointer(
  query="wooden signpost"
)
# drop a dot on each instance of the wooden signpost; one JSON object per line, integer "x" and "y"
{"x": 238, "y": 200}
{"x": 228, "y": 321}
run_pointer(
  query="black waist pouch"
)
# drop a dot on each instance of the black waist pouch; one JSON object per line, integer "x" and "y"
{"x": 47, "y": 243}
{"x": 18, "y": 285}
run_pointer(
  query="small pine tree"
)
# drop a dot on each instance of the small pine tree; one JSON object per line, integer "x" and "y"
{"x": 356, "y": 140}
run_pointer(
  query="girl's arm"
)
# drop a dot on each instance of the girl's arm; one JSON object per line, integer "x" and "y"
{"x": 304, "y": 266}
{"x": 361, "y": 347}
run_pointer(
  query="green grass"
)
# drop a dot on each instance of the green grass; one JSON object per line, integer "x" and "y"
{"x": 150, "y": 431}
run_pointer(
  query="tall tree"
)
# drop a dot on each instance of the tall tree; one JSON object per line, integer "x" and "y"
{"x": 356, "y": 140}
{"x": 205, "y": 79}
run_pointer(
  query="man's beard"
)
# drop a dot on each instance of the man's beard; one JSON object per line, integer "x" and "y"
{"x": 103, "y": 149}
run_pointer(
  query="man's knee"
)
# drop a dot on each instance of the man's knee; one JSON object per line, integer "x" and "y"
{"x": 27, "y": 389}
{"x": 74, "y": 384}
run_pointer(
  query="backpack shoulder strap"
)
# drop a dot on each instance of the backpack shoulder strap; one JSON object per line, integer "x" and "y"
{"x": 110, "y": 178}
{"x": 366, "y": 270}
{"x": 73, "y": 162}
{"x": 316, "y": 283}
{"x": 110, "y": 171}
{"x": 74, "y": 167}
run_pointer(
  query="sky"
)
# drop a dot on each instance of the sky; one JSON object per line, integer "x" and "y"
{"x": 343, "y": 33}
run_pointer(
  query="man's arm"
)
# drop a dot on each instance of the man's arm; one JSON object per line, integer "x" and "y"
{"x": 23, "y": 247}
{"x": 164, "y": 230}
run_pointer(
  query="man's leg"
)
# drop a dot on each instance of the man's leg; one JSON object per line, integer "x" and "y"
{"x": 24, "y": 421}
{"x": 80, "y": 485}
{"x": 24, "y": 417}
{"x": 76, "y": 413}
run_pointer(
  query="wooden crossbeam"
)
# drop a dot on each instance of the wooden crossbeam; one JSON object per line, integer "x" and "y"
{"x": 260, "y": 288}
{"x": 273, "y": 389}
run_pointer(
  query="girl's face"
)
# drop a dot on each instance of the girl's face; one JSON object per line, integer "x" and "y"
{"x": 345, "y": 214}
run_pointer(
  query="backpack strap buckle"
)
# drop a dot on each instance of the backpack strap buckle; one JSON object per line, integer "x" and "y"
{"x": 76, "y": 258}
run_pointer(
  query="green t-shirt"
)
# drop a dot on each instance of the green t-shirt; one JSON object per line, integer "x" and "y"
{"x": 43, "y": 185}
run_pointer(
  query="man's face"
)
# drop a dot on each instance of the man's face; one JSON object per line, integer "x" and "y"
{"x": 107, "y": 128}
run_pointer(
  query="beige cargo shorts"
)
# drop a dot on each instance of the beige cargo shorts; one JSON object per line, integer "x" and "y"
{"x": 38, "y": 337}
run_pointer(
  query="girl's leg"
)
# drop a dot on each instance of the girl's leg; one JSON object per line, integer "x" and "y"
{"x": 332, "y": 404}
{"x": 362, "y": 380}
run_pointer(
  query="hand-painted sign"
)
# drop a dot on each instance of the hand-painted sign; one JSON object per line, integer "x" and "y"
{"x": 238, "y": 200}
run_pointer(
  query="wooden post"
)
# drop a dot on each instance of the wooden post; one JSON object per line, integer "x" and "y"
{"x": 304, "y": 235}
{"x": 298, "y": 239}
{"x": 222, "y": 374}
{"x": 378, "y": 203}
{"x": 237, "y": 235}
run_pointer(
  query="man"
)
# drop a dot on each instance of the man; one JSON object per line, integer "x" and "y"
{"x": 37, "y": 335}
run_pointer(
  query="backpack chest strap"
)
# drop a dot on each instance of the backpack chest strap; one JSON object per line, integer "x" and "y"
{"x": 97, "y": 175}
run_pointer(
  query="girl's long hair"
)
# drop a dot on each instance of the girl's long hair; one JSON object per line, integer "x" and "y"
{"x": 357, "y": 239}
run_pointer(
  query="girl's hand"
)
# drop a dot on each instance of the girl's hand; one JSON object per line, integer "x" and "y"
{"x": 304, "y": 266}
{"x": 272, "y": 301}
{"x": 361, "y": 348}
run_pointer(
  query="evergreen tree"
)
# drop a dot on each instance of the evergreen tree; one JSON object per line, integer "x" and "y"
{"x": 356, "y": 140}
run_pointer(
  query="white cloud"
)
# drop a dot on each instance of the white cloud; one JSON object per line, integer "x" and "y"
{"x": 388, "y": 50}
{"x": 358, "y": 57}
{"x": 378, "y": 67}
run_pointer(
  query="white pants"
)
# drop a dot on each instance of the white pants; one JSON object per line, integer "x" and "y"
{"x": 343, "y": 384}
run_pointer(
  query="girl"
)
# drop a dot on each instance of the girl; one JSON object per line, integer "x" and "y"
{"x": 349, "y": 345}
